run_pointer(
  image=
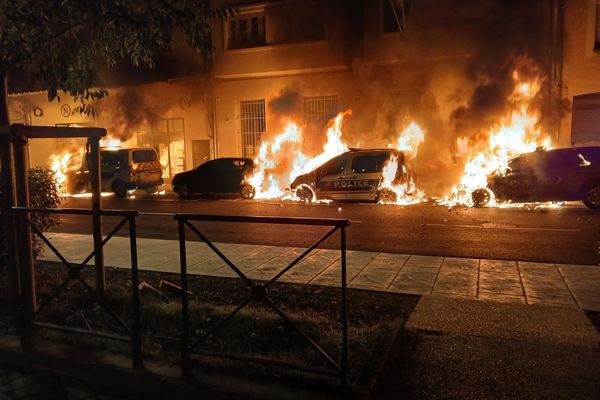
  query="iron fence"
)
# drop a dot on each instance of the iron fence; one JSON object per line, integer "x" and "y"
{"x": 74, "y": 273}
{"x": 259, "y": 292}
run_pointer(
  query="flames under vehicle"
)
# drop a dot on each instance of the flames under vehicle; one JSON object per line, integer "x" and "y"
{"x": 218, "y": 176}
{"x": 547, "y": 175}
{"x": 355, "y": 175}
{"x": 121, "y": 170}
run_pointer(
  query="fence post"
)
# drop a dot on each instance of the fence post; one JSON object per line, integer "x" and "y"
{"x": 8, "y": 201}
{"x": 136, "y": 330}
{"x": 96, "y": 181}
{"x": 185, "y": 334}
{"x": 23, "y": 240}
{"x": 344, "y": 363}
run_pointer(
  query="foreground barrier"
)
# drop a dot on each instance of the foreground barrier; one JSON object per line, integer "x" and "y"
{"x": 31, "y": 308}
{"x": 259, "y": 292}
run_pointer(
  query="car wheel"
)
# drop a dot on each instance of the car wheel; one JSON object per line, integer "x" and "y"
{"x": 120, "y": 189}
{"x": 305, "y": 193}
{"x": 482, "y": 197}
{"x": 592, "y": 197}
{"x": 387, "y": 196}
{"x": 183, "y": 191}
{"x": 247, "y": 191}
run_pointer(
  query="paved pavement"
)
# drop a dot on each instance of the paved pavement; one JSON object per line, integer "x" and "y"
{"x": 575, "y": 286}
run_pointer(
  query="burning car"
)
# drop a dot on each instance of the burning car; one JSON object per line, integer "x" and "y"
{"x": 354, "y": 175}
{"x": 218, "y": 176}
{"x": 547, "y": 175}
{"x": 121, "y": 170}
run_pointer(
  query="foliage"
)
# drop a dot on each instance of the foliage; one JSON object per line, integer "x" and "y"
{"x": 43, "y": 192}
{"x": 62, "y": 42}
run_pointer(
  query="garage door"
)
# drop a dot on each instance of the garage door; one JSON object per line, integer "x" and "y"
{"x": 585, "y": 128}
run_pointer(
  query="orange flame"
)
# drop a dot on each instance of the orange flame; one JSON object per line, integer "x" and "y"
{"x": 517, "y": 133}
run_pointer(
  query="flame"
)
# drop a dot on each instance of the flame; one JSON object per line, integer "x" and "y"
{"x": 515, "y": 134}
{"x": 281, "y": 159}
{"x": 111, "y": 143}
{"x": 398, "y": 187}
{"x": 64, "y": 164}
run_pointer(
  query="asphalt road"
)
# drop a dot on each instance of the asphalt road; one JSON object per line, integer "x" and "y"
{"x": 569, "y": 234}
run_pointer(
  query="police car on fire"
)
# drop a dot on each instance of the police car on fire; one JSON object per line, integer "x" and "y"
{"x": 353, "y": 175}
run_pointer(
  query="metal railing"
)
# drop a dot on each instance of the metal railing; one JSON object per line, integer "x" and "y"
{"x": 259, "y": 292}
{"x": 74, "y": 272}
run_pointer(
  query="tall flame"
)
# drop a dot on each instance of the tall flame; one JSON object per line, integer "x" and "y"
{"x": 517, "y": 133}
{"x": 398, "y": 187}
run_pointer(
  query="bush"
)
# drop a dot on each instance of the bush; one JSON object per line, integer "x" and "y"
{"x": 43, "y": 193}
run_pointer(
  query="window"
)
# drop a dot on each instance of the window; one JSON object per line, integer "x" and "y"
{"x": 246, "y": 30}
{"x": 334, "y": 167}
{"x": 252, "y": 126}
{"x": 393, "y": 15}
{"x": 597, "y": 41}
{"x": 321, "y": 109}
{"x": 369, "y": 163}
{"x": 141, "y": 156}
{"x": 115, "y": 159}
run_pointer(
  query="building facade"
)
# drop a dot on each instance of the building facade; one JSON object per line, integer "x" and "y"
{"x": 387, "y": 60}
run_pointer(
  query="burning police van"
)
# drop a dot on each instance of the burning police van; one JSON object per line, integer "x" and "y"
{"x": 353, "y": 175}
{"x": 546, "y": 175}
{"x": 121, "y": 170}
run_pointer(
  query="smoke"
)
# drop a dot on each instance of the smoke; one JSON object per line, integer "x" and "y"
{"x": 129, "y": 111}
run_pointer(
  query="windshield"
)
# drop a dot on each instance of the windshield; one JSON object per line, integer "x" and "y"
{"x": 140, "y": 156}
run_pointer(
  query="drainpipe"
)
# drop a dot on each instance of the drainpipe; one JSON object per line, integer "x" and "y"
{"x": 215, "y": 130}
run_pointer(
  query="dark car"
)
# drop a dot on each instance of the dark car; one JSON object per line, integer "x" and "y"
{"x": 354, "y": 175}
{"x": 547, "y": 175}
{"x": 218, "y": 176}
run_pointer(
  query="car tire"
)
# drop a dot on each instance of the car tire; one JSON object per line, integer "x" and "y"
{"x": 482, "y": 197}
{"x": 183, "y": 191}
{"x": 247, "y": 191}
{"x": 119, "y": 189}
{"x": 304, "y": 193}
{"x": 386, "y": 196}
{"x": 592, "y": 197}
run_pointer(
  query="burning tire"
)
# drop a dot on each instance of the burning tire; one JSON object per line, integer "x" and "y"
{"x": 120, "y": 189}
{"x": 305, "y": 193}
{"x": 183, "y": 191}
{"x": 482, "y": 197}
{"x": 592, "y": 197}
{"x": 247, "y": 191}
{"x": 386, "y": 196}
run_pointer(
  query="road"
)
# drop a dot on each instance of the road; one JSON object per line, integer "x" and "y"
{"x": 567, "y": 235}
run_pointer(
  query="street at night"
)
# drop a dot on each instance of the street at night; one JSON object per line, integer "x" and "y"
{"x": 299, "y": 199}
{"x": 567, "y": 235}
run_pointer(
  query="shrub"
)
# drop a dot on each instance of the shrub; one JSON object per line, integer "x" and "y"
{"x": 44, "y": 193}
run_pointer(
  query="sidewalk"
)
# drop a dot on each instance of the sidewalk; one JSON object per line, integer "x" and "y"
{"x": 574, "y": 286}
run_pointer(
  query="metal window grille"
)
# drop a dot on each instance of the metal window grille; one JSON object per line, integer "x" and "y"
{"x": 320, "y": 107}
{"x": 252, "y": 126}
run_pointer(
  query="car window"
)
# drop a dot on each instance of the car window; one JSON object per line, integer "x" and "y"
{"x": 140, "y": 156}
{"x": 113, "y": 158}
{"x": 369, "y": 163}
{"x": 334, "y": 166}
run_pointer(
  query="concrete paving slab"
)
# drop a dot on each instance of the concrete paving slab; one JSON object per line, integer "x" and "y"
{"x": 501, "y": 283}
{"x": 500, "y": 297}
{"x": 499, "y": 266}
{"x": 424, "y": 261}
{"x": 356, "y": 261}
{"x": 504, "y": 320}
{"x": 380, "y": 272}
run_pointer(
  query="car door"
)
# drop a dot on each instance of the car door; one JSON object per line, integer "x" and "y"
{"x": 365, "y": 174}
{"x": 331, "y": 180}
{"x": 201, "y": 179}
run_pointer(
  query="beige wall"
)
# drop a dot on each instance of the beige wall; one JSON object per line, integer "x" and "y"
{"x": 179, "y": 99}
{"x": 581, "y": 71}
